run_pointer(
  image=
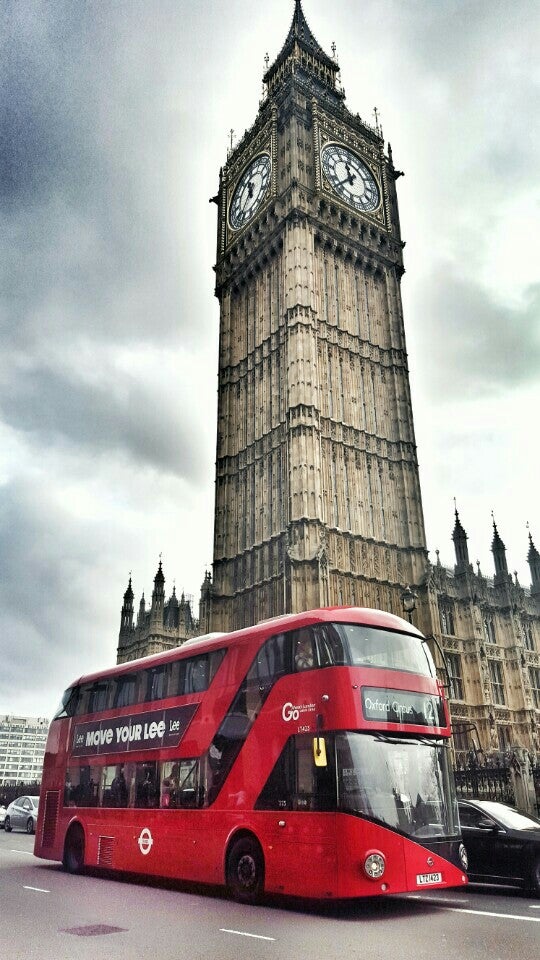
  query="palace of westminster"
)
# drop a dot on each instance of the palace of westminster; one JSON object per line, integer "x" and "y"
{"x": 317, "y": 490}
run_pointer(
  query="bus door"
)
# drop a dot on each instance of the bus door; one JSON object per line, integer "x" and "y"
{"x": 301, "y": 831}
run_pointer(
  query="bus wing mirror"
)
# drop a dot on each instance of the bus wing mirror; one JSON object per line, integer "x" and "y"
{"x": 319, "y": 752}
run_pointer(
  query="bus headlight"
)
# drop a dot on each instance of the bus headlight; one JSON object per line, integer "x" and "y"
{"x": 374, "y": 865}
{"x": 463, "y": 856}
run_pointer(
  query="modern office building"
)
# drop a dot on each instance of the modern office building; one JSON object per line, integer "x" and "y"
{"x": 22, "y": 748}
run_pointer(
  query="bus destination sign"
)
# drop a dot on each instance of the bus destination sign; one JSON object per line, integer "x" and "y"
{"x": 402, "y": 706}
{"x": 160, "y": 728}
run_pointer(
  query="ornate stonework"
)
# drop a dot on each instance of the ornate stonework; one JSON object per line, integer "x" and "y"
{"x": 315, "y": 431}
{"x": 166, "y": 624}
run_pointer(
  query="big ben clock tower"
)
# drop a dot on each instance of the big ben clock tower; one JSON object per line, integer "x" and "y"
{"x": 317, "y": 488}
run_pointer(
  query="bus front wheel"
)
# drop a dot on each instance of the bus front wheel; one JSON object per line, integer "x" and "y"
{"x": 245, "y": 870}
{"x": 73, "y": 859}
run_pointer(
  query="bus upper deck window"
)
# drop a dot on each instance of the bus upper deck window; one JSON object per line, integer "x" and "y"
{"x": 270, "y": 661}
{"x": 98, "y": 697}
{"x": 156, "y": 683}
{"x": 304, "y": 650}
{"x": 193, "y": 675}
{"x": 330, "y": 646}
{"x": 125, "y": 691}
{"x": 68, "y": 703}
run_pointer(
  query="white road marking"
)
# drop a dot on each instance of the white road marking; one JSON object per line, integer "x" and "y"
{"x": 37, "y": 889}
{"x": 487, "y": 913}
{"x": 241, "y": 933}
{"x": 534, "y": 906}
{"x": 444, "y": 905}
{"x": 25, "y": 853}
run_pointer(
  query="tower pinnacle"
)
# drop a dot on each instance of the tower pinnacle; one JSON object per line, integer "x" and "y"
{"x": 302, "y": 53}
{"x": 498, "y": 550}
{"x": 460, "y": 545}
{"x": 533, "y": 559}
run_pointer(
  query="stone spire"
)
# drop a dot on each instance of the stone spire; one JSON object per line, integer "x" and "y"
{"x": 158, "y": 595}
{"x": 533, "y": 559}
{"x": 302, "y": 53}
{"x": 126, "y": 616}
{"x": 205, "y": 604}
{"x": 498, "y": 550}
{"x": 460, "y": 546}
{"x": 171, "y": 609}
{"x": 142, "y": 611}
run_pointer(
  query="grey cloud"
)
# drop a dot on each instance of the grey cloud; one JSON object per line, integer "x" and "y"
{"x": 51, "y": 625}
{"x": 89, "y": 136}
{"x": 121, "y": 416}
{"x": 484, "y": 347}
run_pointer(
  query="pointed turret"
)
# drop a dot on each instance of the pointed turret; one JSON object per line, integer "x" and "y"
{"x": 171, "y": 610}
{"x": 126, "y": 616}
{"x": 142, "y": 611}
{"x": 533, "y": 559}
{"x": 205, "y": 604}
{"x": 498, "y": 550}
{"x": 460, "y": 546}
{"x": 302, "y": 54}
{"x": 158, "y": 595}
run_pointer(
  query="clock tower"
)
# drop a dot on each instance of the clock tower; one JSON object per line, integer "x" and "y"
{"x": 317, "y": 498}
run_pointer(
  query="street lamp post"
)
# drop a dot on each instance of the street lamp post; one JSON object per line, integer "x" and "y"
{"x": 408, "y": 602}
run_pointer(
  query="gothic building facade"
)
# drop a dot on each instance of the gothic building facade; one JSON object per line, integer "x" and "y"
{"x": 489, "y": 630}
{"x": 166, "y": 624}
{"x": 317, "y": 497}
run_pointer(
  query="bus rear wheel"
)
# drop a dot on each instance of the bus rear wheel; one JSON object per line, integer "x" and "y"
{"x": 73, "y": 859}
{"x": 245, "y": 870}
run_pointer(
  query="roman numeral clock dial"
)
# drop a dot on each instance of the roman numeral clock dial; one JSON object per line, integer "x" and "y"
{"x": 250, "y": 191}
{"x": 350, "y": 178}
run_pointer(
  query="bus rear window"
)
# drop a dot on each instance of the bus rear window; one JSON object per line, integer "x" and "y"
{"x": 372, "y": 647}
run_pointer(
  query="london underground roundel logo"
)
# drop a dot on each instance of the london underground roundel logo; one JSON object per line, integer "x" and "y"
{"x": 145, "y": 841}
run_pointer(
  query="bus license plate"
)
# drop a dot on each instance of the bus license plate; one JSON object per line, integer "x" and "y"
{"x": 424, "y": 878}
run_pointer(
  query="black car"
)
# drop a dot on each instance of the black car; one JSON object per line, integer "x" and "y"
{"x": 503, "y": 846}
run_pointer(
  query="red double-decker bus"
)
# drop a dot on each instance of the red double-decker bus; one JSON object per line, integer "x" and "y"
{"x": 308, "y": 755}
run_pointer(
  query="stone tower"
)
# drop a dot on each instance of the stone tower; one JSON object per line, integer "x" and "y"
{"x": 317, "y": 488}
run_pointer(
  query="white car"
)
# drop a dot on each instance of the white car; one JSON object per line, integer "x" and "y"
{"x": 2, "y": 814}
{"x": 22, "y": 814}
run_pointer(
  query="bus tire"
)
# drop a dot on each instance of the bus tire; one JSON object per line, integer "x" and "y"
{"x": 73, "y": 858}
{"x": 245, "y": 870}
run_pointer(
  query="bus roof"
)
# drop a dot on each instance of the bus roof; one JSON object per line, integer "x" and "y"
{"x": 289, "y": 621}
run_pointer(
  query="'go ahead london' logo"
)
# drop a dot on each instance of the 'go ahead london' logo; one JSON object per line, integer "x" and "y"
{"x": 291, "y": 711}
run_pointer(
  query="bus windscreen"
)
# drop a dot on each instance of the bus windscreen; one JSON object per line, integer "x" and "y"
{"x": 405, "y": 783}
{"x": 373, "y": 647}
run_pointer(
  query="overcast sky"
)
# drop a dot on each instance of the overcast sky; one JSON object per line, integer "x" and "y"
{"x": 115, "y": 117}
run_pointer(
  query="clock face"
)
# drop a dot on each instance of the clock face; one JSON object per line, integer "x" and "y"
{"x": 349, "y": 176}
{"x": 250, "y": 191}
